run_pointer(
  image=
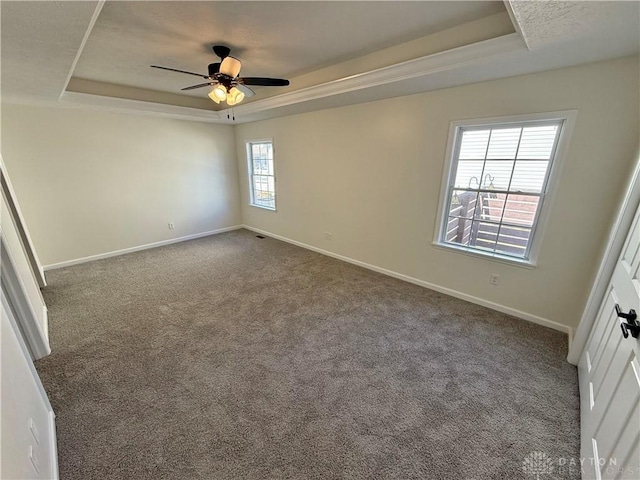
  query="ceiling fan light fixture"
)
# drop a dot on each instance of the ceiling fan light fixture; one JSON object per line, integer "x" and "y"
{"x": 230, "y": 66}
{"x": 213, "y": 97}
{"x": 235, "y": 96}
{"x": 218, "y": 94}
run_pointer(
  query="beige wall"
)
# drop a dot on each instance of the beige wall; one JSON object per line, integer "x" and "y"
{"x": 92, "y": 182}
{"x": 371, "y": 175}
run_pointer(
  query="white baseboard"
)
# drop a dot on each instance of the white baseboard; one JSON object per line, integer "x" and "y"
{"x": 432, "y": 286}
{"x": 115, "y": 253}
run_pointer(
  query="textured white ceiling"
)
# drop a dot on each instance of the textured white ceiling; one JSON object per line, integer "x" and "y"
{"x": 608, "y": 22}
{"x": 273, "y": 39}
{"x": 40, "y": 41}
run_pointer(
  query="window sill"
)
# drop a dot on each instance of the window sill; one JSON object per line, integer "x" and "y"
{"x": 495, "y": 257}
{"x": 263, "y": 207}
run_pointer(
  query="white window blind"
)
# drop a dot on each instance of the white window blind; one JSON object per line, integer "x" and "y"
{"x": 497, "y": 184}
{"x": 262, "y": 178}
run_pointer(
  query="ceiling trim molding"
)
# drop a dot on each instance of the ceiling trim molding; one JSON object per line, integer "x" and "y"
{"x": 473, "y": 54}
{"x": 92, "y": 22}
{"x": 124, "y": 105}
{"x": 514, "y": 20}
{"x": 448, "y": 60}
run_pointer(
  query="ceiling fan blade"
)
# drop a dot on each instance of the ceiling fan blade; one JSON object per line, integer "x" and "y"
{"x": 179, "y": 71}
{"x": 246, "y": 90}
{"x": 198, "y": 86}
{"x": 230, "y": 66}
{"x": 265, "y": 82}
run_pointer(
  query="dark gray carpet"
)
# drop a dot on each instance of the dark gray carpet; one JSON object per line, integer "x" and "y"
{"x": 231, "y": 357}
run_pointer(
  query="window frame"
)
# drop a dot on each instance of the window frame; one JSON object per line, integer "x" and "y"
{"x": 251, "y": 174}
{"x": 547, "y": 195}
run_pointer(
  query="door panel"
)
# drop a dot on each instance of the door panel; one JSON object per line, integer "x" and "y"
{"x": 630, "y": 250}
{"x": 609, "y": 371}
{"x": 621, "y": 421}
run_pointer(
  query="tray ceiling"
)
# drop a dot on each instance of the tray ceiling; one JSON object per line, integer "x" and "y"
{"x": 272, "y": 39}
{"x": 98, "y": 53}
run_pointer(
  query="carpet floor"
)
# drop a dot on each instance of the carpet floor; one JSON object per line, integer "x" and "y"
{"x": 234, "y": 357}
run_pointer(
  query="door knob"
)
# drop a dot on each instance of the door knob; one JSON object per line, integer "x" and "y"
{"x": 631, "y": 325}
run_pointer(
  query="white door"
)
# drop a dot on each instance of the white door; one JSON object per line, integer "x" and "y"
{"x": 609, "y": 373}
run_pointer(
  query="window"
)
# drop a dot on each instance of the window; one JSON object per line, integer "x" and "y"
{"x": 262, "y": 178}
{"x": 496, "y": 185}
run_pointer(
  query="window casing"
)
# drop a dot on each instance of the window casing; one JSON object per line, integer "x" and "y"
{"x": 499, "y": 175}
{"x": 262, "y": 180}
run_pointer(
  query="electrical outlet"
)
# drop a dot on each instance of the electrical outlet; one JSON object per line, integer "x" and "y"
{"x": 171, "y": 226}
{"x": 494, "y": 279}
{"x": 328, "y": 236}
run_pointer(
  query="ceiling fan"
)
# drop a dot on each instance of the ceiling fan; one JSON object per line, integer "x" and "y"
{"x": 223, "y": 77}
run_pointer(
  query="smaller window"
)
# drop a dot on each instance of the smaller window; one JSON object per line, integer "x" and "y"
{"x": 262, "y": 180}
